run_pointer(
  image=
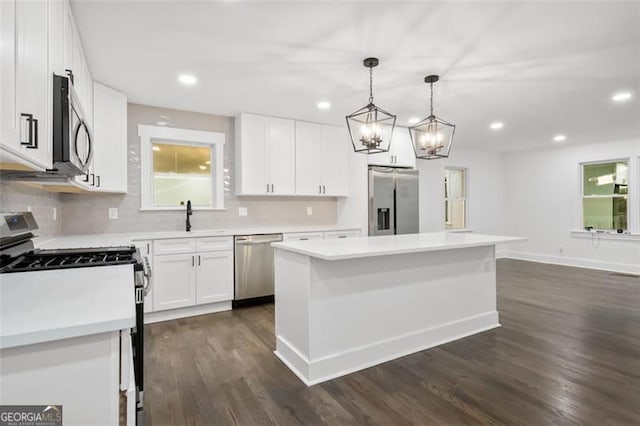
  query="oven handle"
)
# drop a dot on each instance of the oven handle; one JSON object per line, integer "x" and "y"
{"x": 146, "y": 274}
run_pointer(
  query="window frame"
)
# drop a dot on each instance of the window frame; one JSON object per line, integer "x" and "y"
{"x": 582, "y": 196}
{"x": 465, "y": 180}
{"x": 214, "y": 140}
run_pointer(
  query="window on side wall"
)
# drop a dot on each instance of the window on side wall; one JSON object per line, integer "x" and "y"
{"x": 605, "y": 186}
{"x": 455, "y": 198}
{"x": 178, "y": 165}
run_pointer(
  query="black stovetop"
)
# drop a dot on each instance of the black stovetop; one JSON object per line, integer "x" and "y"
{"x": 42, "y": 260}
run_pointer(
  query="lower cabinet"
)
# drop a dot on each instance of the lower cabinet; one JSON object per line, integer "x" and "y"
{"x": 174, "y": 281}
{"x": 214, "y": 277}
{"x": 186, "y": 279}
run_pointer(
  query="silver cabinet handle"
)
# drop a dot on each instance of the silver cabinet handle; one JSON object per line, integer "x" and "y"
{"x": 324, "y": 189}
{"x": 267, "y": 187}
{"x": 303, "y": 239}
{"x": 342, "y": 236}
{"x": 148, "y": 248}
{"x": 193, "y": 261}
{"x": 319, "y": 189}
{"x": 272, "y": 188}
{"x": 198, "y": 260}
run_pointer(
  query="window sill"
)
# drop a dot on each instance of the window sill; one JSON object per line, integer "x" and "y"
{"x": 605, "y": 235}
{"x": 181, "y": 208}
{"x": 459, "y": 230}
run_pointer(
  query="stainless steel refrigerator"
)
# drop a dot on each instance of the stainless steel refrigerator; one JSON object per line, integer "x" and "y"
{"x": 393, "y": 201}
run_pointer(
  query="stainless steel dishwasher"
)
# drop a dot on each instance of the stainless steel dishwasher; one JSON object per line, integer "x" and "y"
{"x": 254, "y": 275}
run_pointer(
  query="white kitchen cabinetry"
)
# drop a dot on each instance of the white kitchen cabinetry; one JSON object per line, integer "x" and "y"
{"x": 265, "y": 155}
{"x": 192, "y": 271}
{"x": 213, "y": 275}
{"x": 400, "y": 154}
{"x": 174, "y": 281}
{"x": 26, "y": 86}
{"x": 321, "y": 160}
{"x": 109, "y": 139}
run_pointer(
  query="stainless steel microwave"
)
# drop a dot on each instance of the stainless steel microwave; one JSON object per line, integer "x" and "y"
{"x": 72, "y": 137}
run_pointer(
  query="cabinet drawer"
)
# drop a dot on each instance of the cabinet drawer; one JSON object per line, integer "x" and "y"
{"x": 301, "y": 236}
{"x": 174, "y": 246}
{"x": 342, "y": 234}
{"x": 214, "y": 244}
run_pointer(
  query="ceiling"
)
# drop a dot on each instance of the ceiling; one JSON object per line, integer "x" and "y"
{"x": 541, "y": 68}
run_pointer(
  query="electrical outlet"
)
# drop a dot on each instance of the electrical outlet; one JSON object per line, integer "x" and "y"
{"x": 28, "y": 208}
{"x": 54, "y": 216}
{"x": 242, "y": 211}
{"x": 113, "y": 212}
{"x": 309, "y": 211}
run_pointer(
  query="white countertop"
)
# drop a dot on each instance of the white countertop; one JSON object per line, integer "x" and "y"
{"x": 52, "y": 305}
{"x": 352, "y": 248}
{"x": 125, "y": 239}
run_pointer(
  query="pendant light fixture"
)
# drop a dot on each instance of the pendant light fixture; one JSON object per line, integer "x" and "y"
{"x": 370, "y": 127}
{"x": 432, "y": 137}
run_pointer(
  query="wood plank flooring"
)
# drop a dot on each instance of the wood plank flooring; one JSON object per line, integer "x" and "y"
{"x": 568, "y": 352}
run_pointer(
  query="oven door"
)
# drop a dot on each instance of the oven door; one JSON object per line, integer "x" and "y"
{"x": 80, "y": 135}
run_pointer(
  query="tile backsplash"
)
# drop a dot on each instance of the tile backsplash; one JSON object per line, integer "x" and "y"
{"x": 21, "y": 196}
{"x": 88, "y": 213}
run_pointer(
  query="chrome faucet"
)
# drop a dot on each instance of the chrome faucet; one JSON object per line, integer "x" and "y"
{"x": 189, "y": 213}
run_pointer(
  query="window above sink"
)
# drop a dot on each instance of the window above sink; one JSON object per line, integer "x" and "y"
{"x": 179, "y": 165}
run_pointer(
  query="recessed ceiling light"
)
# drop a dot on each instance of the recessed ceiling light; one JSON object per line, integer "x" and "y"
{"x": 497, "y": 125}
{"x": 413, "y": 120}
{"x": 156, "y": 148}
{"x": 207, "y": 162}
{"x": 621, "y": 96}
{"x": 324, "y": 105}
{"x": 187, "y": 79}
{"x": 559, "y": 138}
{"x": 203, "y": 167}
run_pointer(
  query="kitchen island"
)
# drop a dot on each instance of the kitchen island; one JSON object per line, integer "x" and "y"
{"x": 342, "y": 306}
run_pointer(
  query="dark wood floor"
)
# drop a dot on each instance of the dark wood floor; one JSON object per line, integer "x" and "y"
{"x": 568, "y": 352}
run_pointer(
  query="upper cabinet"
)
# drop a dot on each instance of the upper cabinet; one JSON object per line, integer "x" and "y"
{"x": 265, "y": 155}
{"x": 275, "y": 156}
{"x": 109, "y": 139}
{"x": 400, "y": 153}
{"x": 321, "y": 160}
{"x": 26, "y": 86}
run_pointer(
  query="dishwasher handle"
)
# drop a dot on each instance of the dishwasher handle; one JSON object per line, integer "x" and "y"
{"x": 258, "y": 239}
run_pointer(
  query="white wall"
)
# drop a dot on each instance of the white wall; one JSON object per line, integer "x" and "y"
{"x": 542, "y": 203}
{"x": 485, "y": 192}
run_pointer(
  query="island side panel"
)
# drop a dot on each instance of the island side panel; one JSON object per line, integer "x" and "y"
{"x": 292, "y": 283}
{"x": 369, "y": 310}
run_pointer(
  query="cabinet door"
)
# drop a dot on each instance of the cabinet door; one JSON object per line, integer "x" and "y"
{"x": 281, "y": 156}
{"x": 32, "y": 78}
{"x": 214, "y": 277}
{"x": 335, "y": 161}
{"x": 110, "y": 139}
{"x": 308, "y": 153}
{"x": 174, "y": 281}
{"x": 252, "y": 151}
{"x": 9, "y": 116}
{"x": 402, "y": 148}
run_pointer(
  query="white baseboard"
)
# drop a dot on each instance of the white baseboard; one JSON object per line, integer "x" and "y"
{"x": 320, "y": 370}
{"x": 191, "y": 311}
{"x": 571, "y": 261}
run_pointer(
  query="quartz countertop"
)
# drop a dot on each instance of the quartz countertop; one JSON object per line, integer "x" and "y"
{"x": 125, "y": 239}
{"x": 44, "y": 306}
{"x": 352, "y": 248}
